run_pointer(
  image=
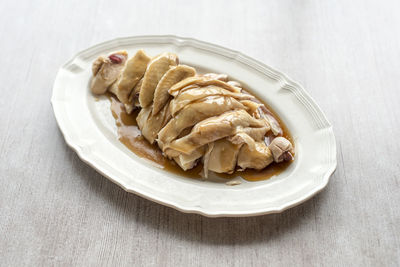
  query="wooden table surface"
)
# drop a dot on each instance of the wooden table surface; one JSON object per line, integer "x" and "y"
{"x": 55, "y": 210}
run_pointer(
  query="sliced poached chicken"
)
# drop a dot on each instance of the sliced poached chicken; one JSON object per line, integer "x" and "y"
{"x": 193, "y": 118}
{"x": 171, "y": 77}
{"x": 106, "y": 70}
{"x": 156, "y": 69}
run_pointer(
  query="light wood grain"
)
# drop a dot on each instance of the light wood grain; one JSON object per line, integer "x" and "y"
{"x": 55, "y": 210}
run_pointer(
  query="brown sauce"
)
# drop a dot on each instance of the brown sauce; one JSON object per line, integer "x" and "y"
{"x": 130, "y": 135}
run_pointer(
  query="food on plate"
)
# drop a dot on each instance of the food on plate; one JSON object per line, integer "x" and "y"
{"x": 131, "y": 74}
{"x": 106, "y": 70}
{"x": 191, "y": 118}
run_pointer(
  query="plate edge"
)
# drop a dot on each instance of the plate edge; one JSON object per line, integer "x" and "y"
{"x": 285, "y": 81}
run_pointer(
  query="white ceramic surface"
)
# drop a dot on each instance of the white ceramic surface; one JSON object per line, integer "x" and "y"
{"x": 89, "y": 129}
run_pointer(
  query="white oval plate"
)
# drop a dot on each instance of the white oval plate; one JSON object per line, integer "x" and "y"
{"x": 89, "y": 128}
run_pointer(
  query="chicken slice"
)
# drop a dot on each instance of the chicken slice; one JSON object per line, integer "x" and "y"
{"x": 194, "y": 94}
{"x": 212, "y": 129}
{"x": 194, "y": 113}
{"x": 157, "y": 67}
{"x": 171, "y": 77}
{"x": 187, "y": 162}
{"x": 223, "y": 157}
{"x": 200, "y": 81}
{"x": 254, "y": 155}
{"x": 151, "y": 124}
{"x": 131, "y": 74}
{"x": 142, "y": 117}
{"x": 221, "y": 77}
{"x": 106, "y": 71}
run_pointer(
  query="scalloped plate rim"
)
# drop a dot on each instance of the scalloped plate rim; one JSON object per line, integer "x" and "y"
{"x": 279, "y": 76}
